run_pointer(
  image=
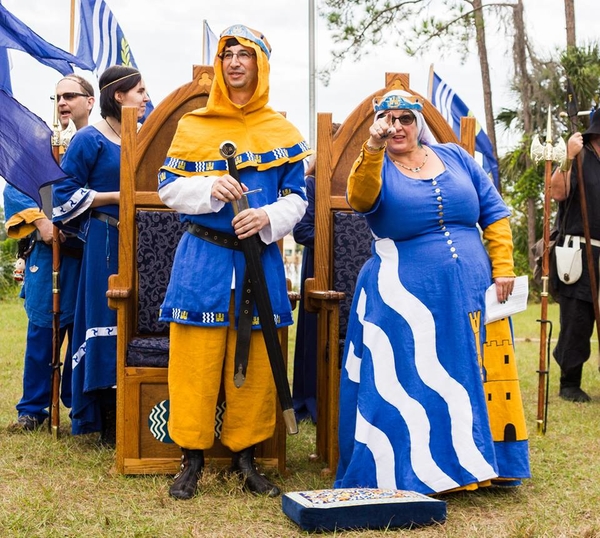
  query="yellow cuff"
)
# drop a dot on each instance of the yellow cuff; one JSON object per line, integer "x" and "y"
{"x": 21, "y": 224}
{"x": 500, "y": 248}
{"x": 364, "y": 182}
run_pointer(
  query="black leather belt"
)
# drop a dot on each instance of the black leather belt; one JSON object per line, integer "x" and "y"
{"x": 244, "y": 331}
{"x": 111, "y": 221}
{"x": 70, "y": 252}
{"x": 221, "y": 239}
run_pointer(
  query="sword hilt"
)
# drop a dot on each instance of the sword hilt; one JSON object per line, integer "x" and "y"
{"x": 228, "y": 150}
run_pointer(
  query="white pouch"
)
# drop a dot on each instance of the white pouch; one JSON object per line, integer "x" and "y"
{"x": 568, "y": 260}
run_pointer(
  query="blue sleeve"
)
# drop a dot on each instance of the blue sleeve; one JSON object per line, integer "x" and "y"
{"x": 78, "y": 162}
{"x": 15, "y": 201}
{"x": 492, "y": 207}
{"x": 304, "y": 231}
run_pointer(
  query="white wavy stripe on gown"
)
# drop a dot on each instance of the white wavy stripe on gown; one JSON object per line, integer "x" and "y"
{"x": 432, "y": 373}
{"x": 389, "y": 389}
{"x": 382, "y": 450}
{"x": 353, "y": 364}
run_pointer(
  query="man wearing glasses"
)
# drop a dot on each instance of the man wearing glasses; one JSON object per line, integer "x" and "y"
{"x": 74, "y": 99}
{"x": 207, "y": 285}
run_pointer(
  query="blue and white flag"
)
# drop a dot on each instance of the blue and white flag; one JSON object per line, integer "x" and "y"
{"x": 453, "y": 109}
{"x": 101, "y": 40}
{"x": 14, "y": 34}
{"x": 5, "y": 82}
{"x": 26, "y": 159}
{"x": 210, "y": 42}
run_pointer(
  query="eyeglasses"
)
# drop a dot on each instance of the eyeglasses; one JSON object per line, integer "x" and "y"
{"x": 68, "y": 96}
{"x": 242, "y": 55}
{"x": 404, "y": 119}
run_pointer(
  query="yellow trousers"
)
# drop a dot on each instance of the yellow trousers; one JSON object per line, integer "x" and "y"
{"x": 199, "y": 357}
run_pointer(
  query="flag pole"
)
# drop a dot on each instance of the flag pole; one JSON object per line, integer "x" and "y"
{"x": 204, "y": 23}
{"x": 311, "y": 74}
{"x": 430, "y": 84}
{"x": 72, "y": 29}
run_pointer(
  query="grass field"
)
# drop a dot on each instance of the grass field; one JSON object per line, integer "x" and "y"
{"x": 66, "y": 488}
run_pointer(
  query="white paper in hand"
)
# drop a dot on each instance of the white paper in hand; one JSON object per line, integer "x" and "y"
{"x": 517, "y": 301}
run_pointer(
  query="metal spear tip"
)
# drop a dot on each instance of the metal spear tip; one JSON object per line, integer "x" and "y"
{"x": 228, "y": 149}
{"x": 549, "y": 128}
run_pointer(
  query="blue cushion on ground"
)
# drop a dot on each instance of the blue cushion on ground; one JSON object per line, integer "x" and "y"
{"x": 361, "y": 508}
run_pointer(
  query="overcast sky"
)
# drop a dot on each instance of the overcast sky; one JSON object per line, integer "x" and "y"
{"x": 166, "y": 39}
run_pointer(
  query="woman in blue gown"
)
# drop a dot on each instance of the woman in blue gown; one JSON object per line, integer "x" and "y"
{"x": 89, "y": 201}
{"x": 413, "y": 411}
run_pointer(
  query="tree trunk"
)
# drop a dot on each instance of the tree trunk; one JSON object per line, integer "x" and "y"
{"x": 485, "y": 77}
{"x": 570, "y": 22}
{"x": 524, "y": 83}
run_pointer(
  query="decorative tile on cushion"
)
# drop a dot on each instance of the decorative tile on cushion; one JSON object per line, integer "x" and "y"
{"x": 352, "y": 240}
{"x": 158, "y": 236}
{"x": 151, "y": 352}
{"x": 361, "y": 508}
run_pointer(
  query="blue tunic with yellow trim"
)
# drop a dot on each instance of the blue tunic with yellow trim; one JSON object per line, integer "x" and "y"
{"x": 412, "y": 407}
{"x": 199, "y": 289}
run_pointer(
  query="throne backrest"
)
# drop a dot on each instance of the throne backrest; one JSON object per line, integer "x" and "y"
{"x": 352, "y": 240}
{"x": 158, "y": 236}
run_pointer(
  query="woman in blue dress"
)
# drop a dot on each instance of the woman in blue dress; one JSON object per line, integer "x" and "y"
{"x": 413, "y": 411}
{"x": 89, "y": 201}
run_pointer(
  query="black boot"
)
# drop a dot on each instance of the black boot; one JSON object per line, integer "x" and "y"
{"x": 570, "y": 385}
{"x": 185, "y": 484}
{"x": 255, "y": 482}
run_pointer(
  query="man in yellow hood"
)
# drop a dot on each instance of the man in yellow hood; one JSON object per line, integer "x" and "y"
{"x": 203, "y": 299}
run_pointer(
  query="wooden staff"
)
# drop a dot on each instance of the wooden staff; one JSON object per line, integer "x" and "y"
{"x": 549, "y": 154}
{"x": 572, "y": 112}
{"x": 54, "y": 422}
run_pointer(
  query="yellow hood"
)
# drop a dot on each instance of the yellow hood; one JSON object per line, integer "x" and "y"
{"x": 264, "y": 138}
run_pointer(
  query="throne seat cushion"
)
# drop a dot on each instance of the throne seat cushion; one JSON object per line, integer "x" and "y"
{"x": 148, "y": 352}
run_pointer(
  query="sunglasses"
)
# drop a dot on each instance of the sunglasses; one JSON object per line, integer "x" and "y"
{"x": 404, "y": 119}
{"x": 67, "y": 96}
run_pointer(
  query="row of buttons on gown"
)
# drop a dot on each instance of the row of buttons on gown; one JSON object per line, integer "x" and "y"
{"x": 438, "y": 192}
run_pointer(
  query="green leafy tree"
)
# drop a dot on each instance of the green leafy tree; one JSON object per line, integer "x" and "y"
{"x": 416, "y": 26}
{"x": 523, "y": 179}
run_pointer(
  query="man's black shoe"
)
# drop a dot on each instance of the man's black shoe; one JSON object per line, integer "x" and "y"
{"x": 574, "y": 394}
{"x": 185, "y": 485}
{"x": 25, "y": 423}
{"x": 257, "y": 483}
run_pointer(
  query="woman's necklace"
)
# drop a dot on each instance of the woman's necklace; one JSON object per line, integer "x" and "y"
{"x": 112, "y": 129}
{"x": 417, "y": 168}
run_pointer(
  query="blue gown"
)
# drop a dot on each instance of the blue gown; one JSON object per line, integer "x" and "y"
{"x": 412, "y": 407}
{"x": 93, "y": 164}
{"x": 304, "y": 388}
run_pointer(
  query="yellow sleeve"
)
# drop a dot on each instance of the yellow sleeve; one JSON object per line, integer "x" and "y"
{"x": 21, "y": 224}
{"x": 500, "y": 248}
{"x": 364, "y": 182}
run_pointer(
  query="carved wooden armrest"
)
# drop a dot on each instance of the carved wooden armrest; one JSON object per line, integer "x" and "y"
{"x": 316, "y": 300}
{"x": 294, "y": 298}
{"x": 118, "y": 293}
